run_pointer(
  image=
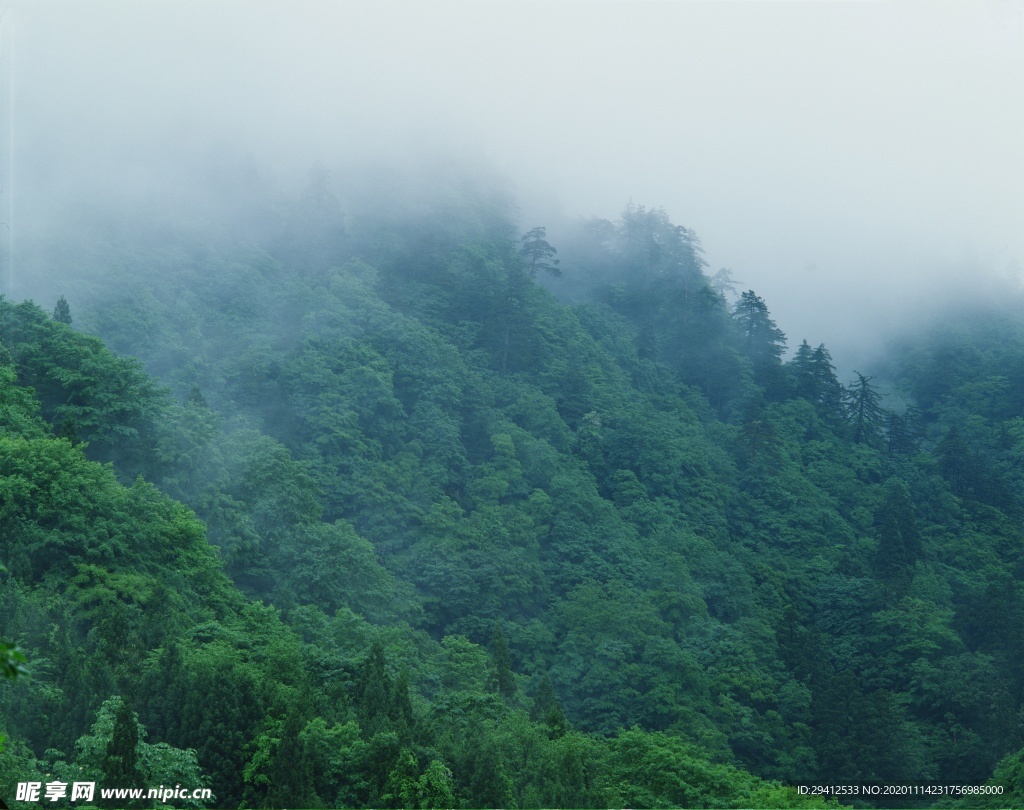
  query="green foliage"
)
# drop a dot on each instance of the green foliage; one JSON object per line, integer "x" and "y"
{"x": 899, "y": 544}
{"x": 501, "y": 665}
{"x": 1009, "y": 775}
{"x": 763, "y": 342}
{"x": 864, "y": 411}
{"x": 814, "y": 379}
{"x": 114, "y": 754}
{"x": 114, "y": 405}
{"x": 12, "y": 662}
{"x": 487, "y": 549}
{"x": 120, "y": 761}
{"x": 538, "y": 253}
{"x": 62, "y": 312}
{"x": 12, "y": 665}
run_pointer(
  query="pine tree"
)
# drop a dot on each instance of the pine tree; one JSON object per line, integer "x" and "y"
{"x": 291, "y": 774}
{"x": 375, "y": 694}
{"x": 489, "y": 784}
{"x": 903, "y": 432}
{"x": 120, "y": 765}
{"x": 538, "y": 253}
{"x": 723, "y": 283}
{"x": 864, "y": 411}
{"x": 401, "y": 707}
{"x": 501, "y": 663}
{"x": 62, "y": 312}
{"x": 802, "y": 370}
{"x": 762, "y": 341}
{"x": 761, "y": 337}
{"x": 828, "y": 390}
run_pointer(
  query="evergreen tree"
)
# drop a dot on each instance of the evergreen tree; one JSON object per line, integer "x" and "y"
{"x": 62, "y": 312}
{"x": 512, "y": 321}
{"x": 375, "y": 701}
{"x": 538, "y": 253}
{"x": 120, "y": 765}
{"x": 291, "y": 774}
{"x": 69, "y": 431}
{"x": 723, "y": 283}
{"x": 546, "y": 710}
{"x": 899, "y": 542}
{"x": 762, "y": 341}
{"x": 501, "y": 664}
{"x": 490, "y": 785}
{"x": 903, "y": 432}
{"x": 802, "y": 371}
{"x": 957, "y": 463}
{"x": 864, "y": 411}
{"x": 647, "y": 342}
{"x": 653, "y": 248}
{"x": 828, "y": 391}
{"x": 401, "y": 707}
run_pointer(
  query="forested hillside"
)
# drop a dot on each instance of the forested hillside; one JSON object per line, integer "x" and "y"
{"x": 375, "y": 519}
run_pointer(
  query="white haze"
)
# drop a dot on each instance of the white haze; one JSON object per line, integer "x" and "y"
{"x": 851, "y": 162}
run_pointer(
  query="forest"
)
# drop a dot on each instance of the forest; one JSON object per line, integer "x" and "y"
{"x": 389, "y": 503}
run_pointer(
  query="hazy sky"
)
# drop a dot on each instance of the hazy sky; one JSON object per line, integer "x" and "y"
{"x": 841, "y": 158}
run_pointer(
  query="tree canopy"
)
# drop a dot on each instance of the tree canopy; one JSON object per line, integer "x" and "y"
{"x": 367, "y": 508}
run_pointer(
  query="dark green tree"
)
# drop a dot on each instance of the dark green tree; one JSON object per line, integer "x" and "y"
{"x": 12, "y": 660}
{"x": 12, "y": 664}
{"x": 761, "y": 337}
{"x": 62, "y": 312}
{"x": 375, "y": 695}
{"x": 120, "y": 765}
{"x": 69, "y": 431}
{"x": 864, "y": 410}
{"x": 903, "y": 431}
{"x": 899, "y": 542}
{"x": 538, "y": 252}
{"x": 801, "y": 369}
{"x": 957, "y": 462}
{"x": 761, "y": 340}
{"x": 828, "y": 391}
{"x": 501, "y": 664}
{"x": 545, "y": 709}
{"x": 401, "y": 707}
{"x": 435, "y": 787}
{"x": 490, "y": 785}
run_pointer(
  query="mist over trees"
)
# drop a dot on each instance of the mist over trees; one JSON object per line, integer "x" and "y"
{"x": 477, "y": 405}
{"x": 351, "y": 509}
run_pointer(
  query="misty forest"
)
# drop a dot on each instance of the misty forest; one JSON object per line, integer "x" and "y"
{"x": 366, "y": 495}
